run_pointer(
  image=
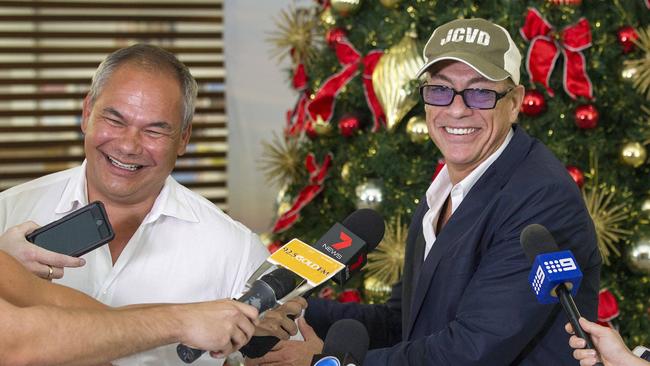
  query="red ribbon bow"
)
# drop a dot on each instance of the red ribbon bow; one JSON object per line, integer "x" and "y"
{"x": 607, "y": 307}
{"x": 544, "y": 51}
{"x": 296, "y": 116}
{"x": 322, "y": 106}
{"x": 317, "y": 175}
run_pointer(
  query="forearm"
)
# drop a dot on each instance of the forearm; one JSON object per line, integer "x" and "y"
{"x": 21, "y": 288}
{"x": 47, "y": 335}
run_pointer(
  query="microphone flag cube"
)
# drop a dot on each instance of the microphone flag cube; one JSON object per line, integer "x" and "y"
{"x": 552, "y": 269}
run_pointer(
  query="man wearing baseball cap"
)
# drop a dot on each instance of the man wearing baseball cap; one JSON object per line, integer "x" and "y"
{"x": 465, "y": 298}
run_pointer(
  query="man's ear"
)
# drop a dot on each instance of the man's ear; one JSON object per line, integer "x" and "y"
{"x": 185, "y": 139}
{"x": 85, "y": 113}
{"x": 517, "y": 98}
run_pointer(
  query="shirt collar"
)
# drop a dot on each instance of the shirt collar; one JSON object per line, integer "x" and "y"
{"x": 442, "y": 182}
{"x": 172, "y": 200}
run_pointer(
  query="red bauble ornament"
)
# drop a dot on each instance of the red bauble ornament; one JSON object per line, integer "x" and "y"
{"x": 348, "y": 125}
{"x": 349, "y": 296}
{"x": 576, "y": 174}
{"x": 587, "y": 116}
{"x": 334, "y": 35}
{"x": 274, "y": 246}
{"x": 626, "y": 37}
{"x": 533, "y": 104}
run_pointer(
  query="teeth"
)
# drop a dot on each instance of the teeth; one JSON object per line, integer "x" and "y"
{"x": 459, "y": 131}
{"x": 131, "y": 167}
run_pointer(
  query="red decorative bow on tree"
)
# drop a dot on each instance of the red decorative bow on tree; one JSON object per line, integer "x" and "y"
{"x": 545, "y": 48}
{"x": 322, "y": 106}
{"x": 296, "y": 116}
{"x": 607, "y": 307}
{"x": 317, "y": 175}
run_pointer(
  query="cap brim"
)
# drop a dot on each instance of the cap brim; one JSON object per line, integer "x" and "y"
{"x": 486, "y": 69}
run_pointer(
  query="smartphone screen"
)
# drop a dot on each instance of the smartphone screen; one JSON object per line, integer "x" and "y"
{"x": 76, "y": 233}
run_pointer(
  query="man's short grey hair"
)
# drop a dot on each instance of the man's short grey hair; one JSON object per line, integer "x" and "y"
{"x": 154, "y": 59}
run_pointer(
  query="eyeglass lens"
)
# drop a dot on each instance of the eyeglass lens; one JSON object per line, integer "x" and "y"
{"x": 474, "y": 98}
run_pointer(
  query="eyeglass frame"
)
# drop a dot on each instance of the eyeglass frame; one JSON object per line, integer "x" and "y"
{"x": 498, "y": 96}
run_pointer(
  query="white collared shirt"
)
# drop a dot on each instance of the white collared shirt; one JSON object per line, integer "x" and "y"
{"x": 441, "y": 188}
{"x": 185, "y": 250}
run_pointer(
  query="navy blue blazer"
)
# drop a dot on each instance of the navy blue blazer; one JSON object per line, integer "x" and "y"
{"x": 470, "y": 302}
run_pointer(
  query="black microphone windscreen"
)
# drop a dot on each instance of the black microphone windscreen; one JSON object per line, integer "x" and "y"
{"x": 347, "y": 336}
{"x": 536, "y": 239}
{"x": 367, "y": 224}
{"x": 281, "y": 280}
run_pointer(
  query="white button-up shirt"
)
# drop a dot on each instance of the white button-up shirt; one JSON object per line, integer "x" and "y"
{"x": 185, "y": 250}
{"x": 441, "y": 188}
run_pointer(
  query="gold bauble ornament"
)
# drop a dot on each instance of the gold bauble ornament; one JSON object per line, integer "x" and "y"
{"x": 327, "y": 19}
{"x": 345, "y": 171}
{"x": 345, "y": 7}
{"x": 639, "y": 255}
{"x": 376, "y": 289}
{"x": 322, "y": 127}
{"x": 283, "y": 201}
{"x": 633, "y": 154}
{"x": 417, "y": 129}
{"x": 390, "y": 3}
{"x": 392, "y": 79}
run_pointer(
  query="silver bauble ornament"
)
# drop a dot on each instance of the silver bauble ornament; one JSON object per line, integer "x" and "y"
{"x": 370, "y": 194}
{"x": 639, "y": 255}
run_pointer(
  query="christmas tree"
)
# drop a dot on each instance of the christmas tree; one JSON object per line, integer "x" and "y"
{"x": 356, "y": 136}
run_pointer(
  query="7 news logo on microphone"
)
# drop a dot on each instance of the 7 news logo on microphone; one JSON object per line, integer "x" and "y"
{"x": 343, "y": 245}
{"x": 552, "y": 269}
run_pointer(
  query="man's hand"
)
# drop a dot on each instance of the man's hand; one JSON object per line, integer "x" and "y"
{"x": 221, "y": 326}
{"x": 277, "y": 323}
{"x": 294, "y": 353}
{"x": 41, "y": 262}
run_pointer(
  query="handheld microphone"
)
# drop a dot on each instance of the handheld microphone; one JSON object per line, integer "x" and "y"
{"x": 554, "y": 276}
{"x": 263, "y": 294}
{"x": 346, "y": 343}
{"x": 348, "y": 243}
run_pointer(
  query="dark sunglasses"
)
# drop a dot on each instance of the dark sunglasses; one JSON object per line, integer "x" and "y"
{"x": 442, "y": 96}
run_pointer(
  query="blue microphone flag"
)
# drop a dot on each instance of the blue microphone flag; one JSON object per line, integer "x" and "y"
{"x": 552, "y": 269}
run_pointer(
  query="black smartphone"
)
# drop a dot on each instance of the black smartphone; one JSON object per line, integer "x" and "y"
{"x": 77, "y": 233}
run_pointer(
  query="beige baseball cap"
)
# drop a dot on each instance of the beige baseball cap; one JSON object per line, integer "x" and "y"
{"x": 484, "y": 46}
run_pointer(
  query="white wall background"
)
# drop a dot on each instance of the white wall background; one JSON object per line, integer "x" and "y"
{"x": 257, "y": 97}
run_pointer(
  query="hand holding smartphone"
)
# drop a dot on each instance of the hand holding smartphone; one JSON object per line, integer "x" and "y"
{"x": 77, "y": 233}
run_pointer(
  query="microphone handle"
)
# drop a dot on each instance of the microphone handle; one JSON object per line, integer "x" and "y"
{"x": 260, "y": 295}
{"x": 572, "y": 312}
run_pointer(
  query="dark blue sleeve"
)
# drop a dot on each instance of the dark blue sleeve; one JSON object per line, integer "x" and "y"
{"x": 383, "y": 321}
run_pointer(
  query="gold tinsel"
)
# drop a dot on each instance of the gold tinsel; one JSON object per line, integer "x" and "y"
{"x": 386, "y": 261}
{"x": 297, "y": 32}
{"x": 641, "y": 80}
{"x": 606, "y": 215}
{"x": 281, "y": 160}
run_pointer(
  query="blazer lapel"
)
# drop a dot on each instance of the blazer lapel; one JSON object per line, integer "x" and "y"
{"x": 414, "y": 257}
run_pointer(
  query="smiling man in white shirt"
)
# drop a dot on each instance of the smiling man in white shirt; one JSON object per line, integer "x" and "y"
{"x": 171, "y": 245}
